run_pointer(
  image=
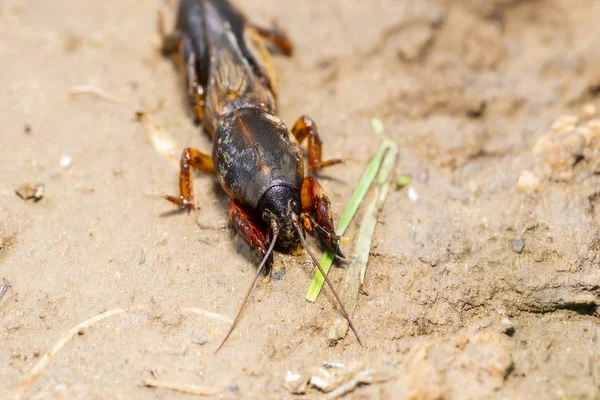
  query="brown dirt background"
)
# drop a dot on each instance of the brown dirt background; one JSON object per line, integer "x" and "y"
{"x": 475, "y": 290}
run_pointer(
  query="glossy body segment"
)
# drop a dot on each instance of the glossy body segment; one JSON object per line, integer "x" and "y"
{"x": 253, "y": 151}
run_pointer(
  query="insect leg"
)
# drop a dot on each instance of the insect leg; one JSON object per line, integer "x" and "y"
{"x": 315, "y": 201}
{"x": 249, "y": 231}
{"x": 187, "y": 61}
{"x": 306, "y": 127}
{"x": 190, "y": 158}
{"x": 276, "y": 37}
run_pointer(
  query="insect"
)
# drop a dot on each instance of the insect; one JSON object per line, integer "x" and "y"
{"x": 232, "y": 91}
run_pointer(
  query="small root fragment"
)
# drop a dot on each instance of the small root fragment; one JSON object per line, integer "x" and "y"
{"x": 183, "y": 388}
{"x": 365, "y": 377}
{"x": 207, "y": 314}
{"x": 40, "y": 367}
{"x": 95, "y": 91}
{"x": 160, "y": 139}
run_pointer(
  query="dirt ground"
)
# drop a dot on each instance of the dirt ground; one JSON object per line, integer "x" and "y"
{"x": 484, "y": 285}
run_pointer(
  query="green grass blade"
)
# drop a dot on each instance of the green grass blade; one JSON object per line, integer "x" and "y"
{"x": 359, "y": 194}
{"x": 355, "y": 273}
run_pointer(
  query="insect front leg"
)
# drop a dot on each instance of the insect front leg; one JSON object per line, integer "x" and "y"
{"x": 316, "y": 203}
{"x": 306, "y": 127}
{"x": 244, "y": 226}
{"x": 190, "y": 158}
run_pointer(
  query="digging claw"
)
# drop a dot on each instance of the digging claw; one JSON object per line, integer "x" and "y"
{"x": 331, "y": 242}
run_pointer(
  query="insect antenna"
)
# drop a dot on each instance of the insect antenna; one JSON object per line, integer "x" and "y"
{"x": 314, "y": 259}
{"x": 258, "y": 271}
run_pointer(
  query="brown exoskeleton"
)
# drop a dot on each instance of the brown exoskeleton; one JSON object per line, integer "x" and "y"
{"x": 232, "y": 90}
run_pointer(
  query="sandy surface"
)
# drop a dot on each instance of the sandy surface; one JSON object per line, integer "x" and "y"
{"x": 481, "y": 288}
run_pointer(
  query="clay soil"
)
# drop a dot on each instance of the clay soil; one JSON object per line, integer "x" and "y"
{"x": 482, "y": 284}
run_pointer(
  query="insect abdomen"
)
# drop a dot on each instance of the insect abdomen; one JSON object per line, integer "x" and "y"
{"x": 253, "y": 151}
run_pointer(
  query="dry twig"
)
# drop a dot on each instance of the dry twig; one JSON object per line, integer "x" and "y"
{"x": 40, "y": 367}
{"x": 365, "y": 377}
{"x": 207, "y": 314}
{"x": 161, "y": 140}
{"x": 183, "y": 388}
{"x": 95, "y": 91}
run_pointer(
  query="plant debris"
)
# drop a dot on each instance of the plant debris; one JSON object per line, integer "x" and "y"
{"x": 356, "y": 271}
{"x": 403, "y": 181}
{"x": 40, "y": 367}
{"x": 160, "y": 139}
{"x": 183, "y": 388}
{"x": 336, "y": 382}
{"x": 207, "y": 314}
{"x": 328, "y": 364}
{"x": 95, "y": 91}
{"x": 359, "y": 194}
{"x": 29, "y": 191}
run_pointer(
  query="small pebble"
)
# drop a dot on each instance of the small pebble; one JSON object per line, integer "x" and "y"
{"x": 291, "y": 377}
{"x": 319, "y": 382}
{"x": 328, "y": 364}
{"x": 295, "y": 383}
{"x": 517, "y": 244}
{"x": 412, "y": 194}
{"x": 233, "y": 388}
{"x": 200, "y": 337}
{"x": 564, "y": 123}
{"x": 588, "y": 111}
{"x": 279, "y": 274}
{"x": 65, "y": 161}
{"x": 529, "y": 183}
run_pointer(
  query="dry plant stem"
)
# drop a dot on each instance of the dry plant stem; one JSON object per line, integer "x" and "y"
{"x": 161, "y": 140}
{"x": 207, "y": 314}
{"x": 358, "y": 265}
{"x": 361, "y": 190}
{"x": 206, "y": 390}
{"x": 40, "y": 367}
{"x": 95, "y": 91}
{"x": 361, "y": 378}
{"x": 183, "y": 388}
